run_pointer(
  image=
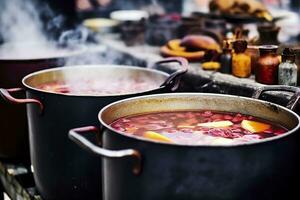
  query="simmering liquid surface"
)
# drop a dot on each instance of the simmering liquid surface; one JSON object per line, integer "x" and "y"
{"x": 101, "y": 87}
{"x": 198, "y": 127}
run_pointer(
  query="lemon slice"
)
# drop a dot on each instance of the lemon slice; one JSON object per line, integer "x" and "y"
{"x": 156, "y": 136}
{"x": 218, "y": 124}
{"x": 254, "y": 127}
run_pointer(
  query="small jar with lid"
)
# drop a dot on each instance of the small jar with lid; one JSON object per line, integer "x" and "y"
{"x": 267, "y": 65}
{"x": 288, "y": 70}
{"x": 241, "y": 62}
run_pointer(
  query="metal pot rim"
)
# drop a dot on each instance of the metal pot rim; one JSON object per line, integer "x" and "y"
{"x": 110, "y": 66}
{"x": 274, "y": 138}
{"x": 66, "y": 54}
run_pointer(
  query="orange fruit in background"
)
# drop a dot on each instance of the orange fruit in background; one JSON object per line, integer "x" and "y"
{"x": 175, "y": 45}
{"x": 190, "y": 56}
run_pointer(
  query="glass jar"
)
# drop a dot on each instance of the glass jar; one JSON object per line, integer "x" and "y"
{"x": 287, "y": 72}
{"x": 267, "y": 65}
{"x": 241, "y": 62}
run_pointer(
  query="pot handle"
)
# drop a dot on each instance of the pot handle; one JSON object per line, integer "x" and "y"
{"x": 5, "y": 93}
{"x": 174, "y": 79}
{"x": 292, "y": 102}
{"x": 75, "y": 136}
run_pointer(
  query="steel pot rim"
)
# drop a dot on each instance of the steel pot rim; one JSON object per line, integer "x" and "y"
{"x": 141, "y": 139}
{"x": 66, "y": 54}
{"x": 108, "y": 66}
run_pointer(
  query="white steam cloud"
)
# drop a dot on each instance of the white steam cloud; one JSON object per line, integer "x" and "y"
{"x": 20, "y": 22}
{"x": 21, "y": 27}
{"x": 24, "y": 37}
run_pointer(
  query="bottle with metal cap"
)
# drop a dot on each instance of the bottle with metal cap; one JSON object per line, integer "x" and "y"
{"x": 226, "y": 58}
{"x": 287, "y": 72}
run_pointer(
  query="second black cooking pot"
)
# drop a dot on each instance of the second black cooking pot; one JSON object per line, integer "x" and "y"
{"x": 61, "y": 170}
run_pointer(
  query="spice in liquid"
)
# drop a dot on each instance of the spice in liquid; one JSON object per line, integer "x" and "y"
{"x": 241, "y": 62}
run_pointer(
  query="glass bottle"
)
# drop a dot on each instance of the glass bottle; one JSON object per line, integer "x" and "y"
{"x": 267, "y": 65}
{"x": 287, "y": 70}
{"x": 253, "y": 52}
{"x": 241, "y": 62}
{"x": 226, "y": 59}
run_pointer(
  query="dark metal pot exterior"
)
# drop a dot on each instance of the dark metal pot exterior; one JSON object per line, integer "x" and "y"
{"x": 58, "y": 165}
{"x": 61, "y": 169}
{"x": 267, "y": 171}
{"x": 263, "y": 170}
{"x": 14, "y": 139}
{"x": 13, "y": 71}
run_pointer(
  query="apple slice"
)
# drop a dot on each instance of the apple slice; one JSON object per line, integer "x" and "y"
{"x": 254, "y": 127}
{"x": 157, "y": 137}
{"x": 222, "y": 141}
{"x": 218, "y": 124}
{"x": 185, "y": 126}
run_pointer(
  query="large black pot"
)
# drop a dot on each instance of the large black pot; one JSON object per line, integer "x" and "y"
{"x": 14, "y": 144}
{"x": 137, "y": 168}
{"x": 61, "y": 170}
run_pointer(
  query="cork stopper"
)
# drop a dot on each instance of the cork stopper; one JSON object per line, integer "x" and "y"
{"x": 240, "y": 46}
{"x": 288, "y": 54}
{"x": 226, "y": 46}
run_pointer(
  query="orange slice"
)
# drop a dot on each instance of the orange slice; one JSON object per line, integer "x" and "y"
{"x": 254, "y": 127}
{"x": 131, "y": 129}
{"x": 156, "y": 136}
{"x": 191, "y": 121}
{"x": 218, "y": 124}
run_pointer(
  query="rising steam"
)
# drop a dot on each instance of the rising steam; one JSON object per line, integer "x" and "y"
{"x": 21, "y": 27}
{"x": 20, "y": 22}
{"x": 24, "y": 36}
